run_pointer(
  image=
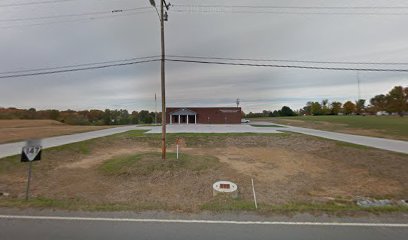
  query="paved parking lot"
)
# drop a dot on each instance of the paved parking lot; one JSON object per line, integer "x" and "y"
{"x": 219, "y": 128}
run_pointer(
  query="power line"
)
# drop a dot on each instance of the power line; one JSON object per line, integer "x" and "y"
{"x": 211, "y": 58}
{"x": 44, "y": 2}
{"x": 214, "y": 11}
{"x": 255, "y": 9}
{"x": 131, "y": 61}
{"x": 75, "y": 20}
{"x": 288, "y": 60}
{"x": 77, "y": 69}
{"x": 74, "y": 15}
{"x": 287, "y": 7}
{"x": 80, "y": 65}
{"x": 290, "y": 66}
{"x": 34, "y": 3}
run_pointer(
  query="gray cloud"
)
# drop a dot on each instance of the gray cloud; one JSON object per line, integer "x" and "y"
{"x": 307, "y": 37}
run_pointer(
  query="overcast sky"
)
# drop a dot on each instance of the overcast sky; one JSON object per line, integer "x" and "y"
{"x": 30, "y": 44}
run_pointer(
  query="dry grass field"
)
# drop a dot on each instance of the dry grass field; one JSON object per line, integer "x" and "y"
{"x": 125, "y": 172}
{"x": 18, "y": 130}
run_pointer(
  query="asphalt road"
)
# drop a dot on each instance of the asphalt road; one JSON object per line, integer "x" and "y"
{"x": 25, "y": 229}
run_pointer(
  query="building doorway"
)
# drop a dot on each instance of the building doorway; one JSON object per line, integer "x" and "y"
{"x": 183, "y": 116}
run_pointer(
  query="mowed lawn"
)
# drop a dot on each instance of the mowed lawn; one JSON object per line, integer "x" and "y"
{"x": 376, "y": 126}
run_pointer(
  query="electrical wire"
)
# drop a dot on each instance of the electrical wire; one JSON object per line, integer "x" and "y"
{"x": 288, "y": 60}
{"x": 73, "y": 15}
{"x": 289, "y": 66}
{"x": 77, "y": 69}
{"x": 287, "y": 7}
{"x": 131, "y": 61}
{"x": 74, "y": 20}
{"x": 266, "y": 9}
{"x": 79, "y": 65}
{"x": 215, "y": 11}
{"x": 34, "y": 3}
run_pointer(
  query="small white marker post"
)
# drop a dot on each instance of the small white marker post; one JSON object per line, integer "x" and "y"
{"x": 253, "y": 190}
{"x": 177, "y": 147}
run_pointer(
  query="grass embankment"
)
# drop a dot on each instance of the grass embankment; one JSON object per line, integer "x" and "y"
{"x": 139, "y": 180}
{"x": 146, "y": 163}
{"x": 81, "y": 205}
{"x": 218, "y": 205}
{"x": 377, "y": 126}
{"x": 338, "y": 207}
{"x": 204, "y": 140}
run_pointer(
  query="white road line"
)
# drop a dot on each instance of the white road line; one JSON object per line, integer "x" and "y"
{"x": 343, "y": 224}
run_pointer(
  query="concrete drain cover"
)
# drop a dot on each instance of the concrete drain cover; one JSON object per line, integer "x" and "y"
{"x": 225, "y": 187}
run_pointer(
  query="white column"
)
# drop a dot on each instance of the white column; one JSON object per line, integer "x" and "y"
{"x": 187, "y": 119}
{"x": 171, "y": 119}
{"x": 179, "y": 119}
{"x": 195, "y": 119}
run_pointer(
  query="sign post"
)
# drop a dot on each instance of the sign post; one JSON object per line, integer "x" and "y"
{"x": 28, "y": 180}
{"x": 31, "y": 152}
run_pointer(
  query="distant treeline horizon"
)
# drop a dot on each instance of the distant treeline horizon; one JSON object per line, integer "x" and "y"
{"x": 83, "y": 117}
{"x": 394, "y": 102}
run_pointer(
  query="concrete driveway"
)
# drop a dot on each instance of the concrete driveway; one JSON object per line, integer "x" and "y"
{"x": 380, "y": 143}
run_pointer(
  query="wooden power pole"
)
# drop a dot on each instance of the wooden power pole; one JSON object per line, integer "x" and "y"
{"x": 163, "y": 82}
{"x": 163, "y": 17}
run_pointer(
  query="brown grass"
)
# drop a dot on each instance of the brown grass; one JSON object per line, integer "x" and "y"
{"x": 286, "y": 168}
{"x": 18, "y": 130}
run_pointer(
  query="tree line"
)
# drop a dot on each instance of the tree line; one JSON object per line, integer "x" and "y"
{"x": 86, "y": 117}
{"x": 285, "y": 111}
{"x": 394, "y": 102}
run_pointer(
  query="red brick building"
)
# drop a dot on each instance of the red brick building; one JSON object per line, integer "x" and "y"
{"x": 205, "y": 115}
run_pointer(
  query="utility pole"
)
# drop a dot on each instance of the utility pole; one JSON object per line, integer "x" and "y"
{"x": 358, "y": 86}
{"x": 163, "y": 82}
{"x": 155, "y": 109}
{"x": 163, "y": 17}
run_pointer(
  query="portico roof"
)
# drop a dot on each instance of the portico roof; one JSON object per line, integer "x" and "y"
{"x": 183, "y": 111}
